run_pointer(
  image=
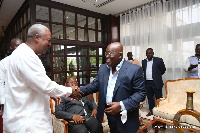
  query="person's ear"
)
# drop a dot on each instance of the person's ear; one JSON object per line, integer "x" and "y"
{"x": 37, "y": 38}
{"x": 120, "y": 55}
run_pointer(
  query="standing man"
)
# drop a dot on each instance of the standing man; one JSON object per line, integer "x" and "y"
{"x": 81, "y": 115}
{"x": 121, "y": 88}
{"x": 191, "y": 64}
{"x": 71, "y": 68}
{"x": 153, "y": 68}
{"x": 28, "y": 88}
{"x": 131, "y": 60}
{"x": 15, "y": 42}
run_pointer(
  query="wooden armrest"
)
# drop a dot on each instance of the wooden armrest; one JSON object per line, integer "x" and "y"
{"x": 160, "y": 99}
{"x": 66, "y": 125}
{"x": 64, "y": 121}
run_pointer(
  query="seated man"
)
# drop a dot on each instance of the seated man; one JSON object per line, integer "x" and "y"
{"x": 81, "y": 115}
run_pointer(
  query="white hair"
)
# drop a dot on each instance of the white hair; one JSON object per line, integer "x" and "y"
{"x": 36, "y": 29}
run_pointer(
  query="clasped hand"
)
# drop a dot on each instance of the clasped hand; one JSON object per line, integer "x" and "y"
{"x": 113, "y": 108}
{"x": 78, "y": 119}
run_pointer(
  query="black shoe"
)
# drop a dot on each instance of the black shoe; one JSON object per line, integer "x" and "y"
{"x": 149, "y": 114}
{"x": 141, "y": 122}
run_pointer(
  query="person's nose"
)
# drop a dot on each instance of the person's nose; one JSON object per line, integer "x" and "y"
{"x": 107, "y": 56}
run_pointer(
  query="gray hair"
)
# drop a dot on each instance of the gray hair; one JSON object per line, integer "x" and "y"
{"x": 36, "y": 29}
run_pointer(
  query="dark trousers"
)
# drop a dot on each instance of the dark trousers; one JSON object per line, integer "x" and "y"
{"x": 151, "y": 91}
{"x": 91, "y": 124}
{"x": 112, "y": 124}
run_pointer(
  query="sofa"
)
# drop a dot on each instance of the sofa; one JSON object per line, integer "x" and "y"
{"x": 175, "y": 100}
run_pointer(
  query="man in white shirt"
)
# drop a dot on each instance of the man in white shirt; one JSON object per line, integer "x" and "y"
{"x": 192, "y": 63}
{"x": 28, "y": 88}
{"x": 153, "y": 68}
{"x": 15, "y": 42}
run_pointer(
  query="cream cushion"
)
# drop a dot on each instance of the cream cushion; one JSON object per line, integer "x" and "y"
{"x": 58, "y": 125}
{"x": 168, "y": 111}
{"x": 176, "y": 101}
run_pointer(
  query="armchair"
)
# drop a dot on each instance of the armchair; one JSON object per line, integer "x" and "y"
{"x": 175, "y": 100}
{"x": 59, "y": 125}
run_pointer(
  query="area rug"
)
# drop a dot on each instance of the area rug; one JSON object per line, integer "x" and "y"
{"x": 147, "y": 128}
{"x": 145, "y": 122}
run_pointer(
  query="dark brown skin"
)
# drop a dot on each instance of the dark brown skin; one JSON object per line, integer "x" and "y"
{"x": 57, "y": 100}
{"x": 78, "y": 119}
{"x": 197, "y": 51}
{"x": 149, "y": 54}
{"x": 130, "y": 56}
{"x": 15, "y": 43}
{"x": 113, "y": 61}
{"x": 40, "y": 44}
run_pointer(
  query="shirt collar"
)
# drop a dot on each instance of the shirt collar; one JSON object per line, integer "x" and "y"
{"x": 149, "y": 60}
{"x": 119, "y": 65}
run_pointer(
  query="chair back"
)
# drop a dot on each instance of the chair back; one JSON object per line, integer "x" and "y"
{"x": 52, "y": 106}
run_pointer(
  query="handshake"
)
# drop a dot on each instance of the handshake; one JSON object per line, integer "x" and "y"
{"x": 76, "y": 93}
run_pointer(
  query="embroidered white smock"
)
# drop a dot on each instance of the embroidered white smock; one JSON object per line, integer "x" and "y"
{"x": 28, "y": 89}
{"x": 3, "y": 66}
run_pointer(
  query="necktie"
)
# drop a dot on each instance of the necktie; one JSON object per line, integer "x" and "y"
{"x": 199, "y": 68}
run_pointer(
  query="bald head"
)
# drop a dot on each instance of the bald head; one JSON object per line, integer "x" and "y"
{"x": 116, "y": 46}
{"x": 14, "y": 43}
{"x": 114, "y": 54}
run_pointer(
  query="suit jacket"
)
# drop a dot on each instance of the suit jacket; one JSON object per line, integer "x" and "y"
{"x": 129, "y": 89}
{"x": 67, "y": 108}
{"x": 158, "y": 69}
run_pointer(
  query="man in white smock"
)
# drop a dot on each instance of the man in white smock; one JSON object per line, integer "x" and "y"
{"x": 14, "y": 43}
{"x": 28, "y": 88}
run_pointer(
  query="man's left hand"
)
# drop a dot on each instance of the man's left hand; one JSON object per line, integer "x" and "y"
{"x": 113, "y": 109}
{"x": 57, "y": 100}
{"x": 94, "y": 113}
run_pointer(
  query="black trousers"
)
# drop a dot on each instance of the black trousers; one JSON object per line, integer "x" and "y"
{"x": 91, "y": 124}
{"x": 112, "y": 124}
{"x": 151, "y": 91}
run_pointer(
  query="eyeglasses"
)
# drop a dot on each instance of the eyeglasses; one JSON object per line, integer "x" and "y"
{"x": 111, "y": 53}
{"x": 73, "y": 83}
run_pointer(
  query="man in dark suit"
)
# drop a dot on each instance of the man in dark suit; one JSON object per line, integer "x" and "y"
{"x": 120, "y": 85}
{"x": 81, "y": 115}
{"x": 153, "y": 68}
